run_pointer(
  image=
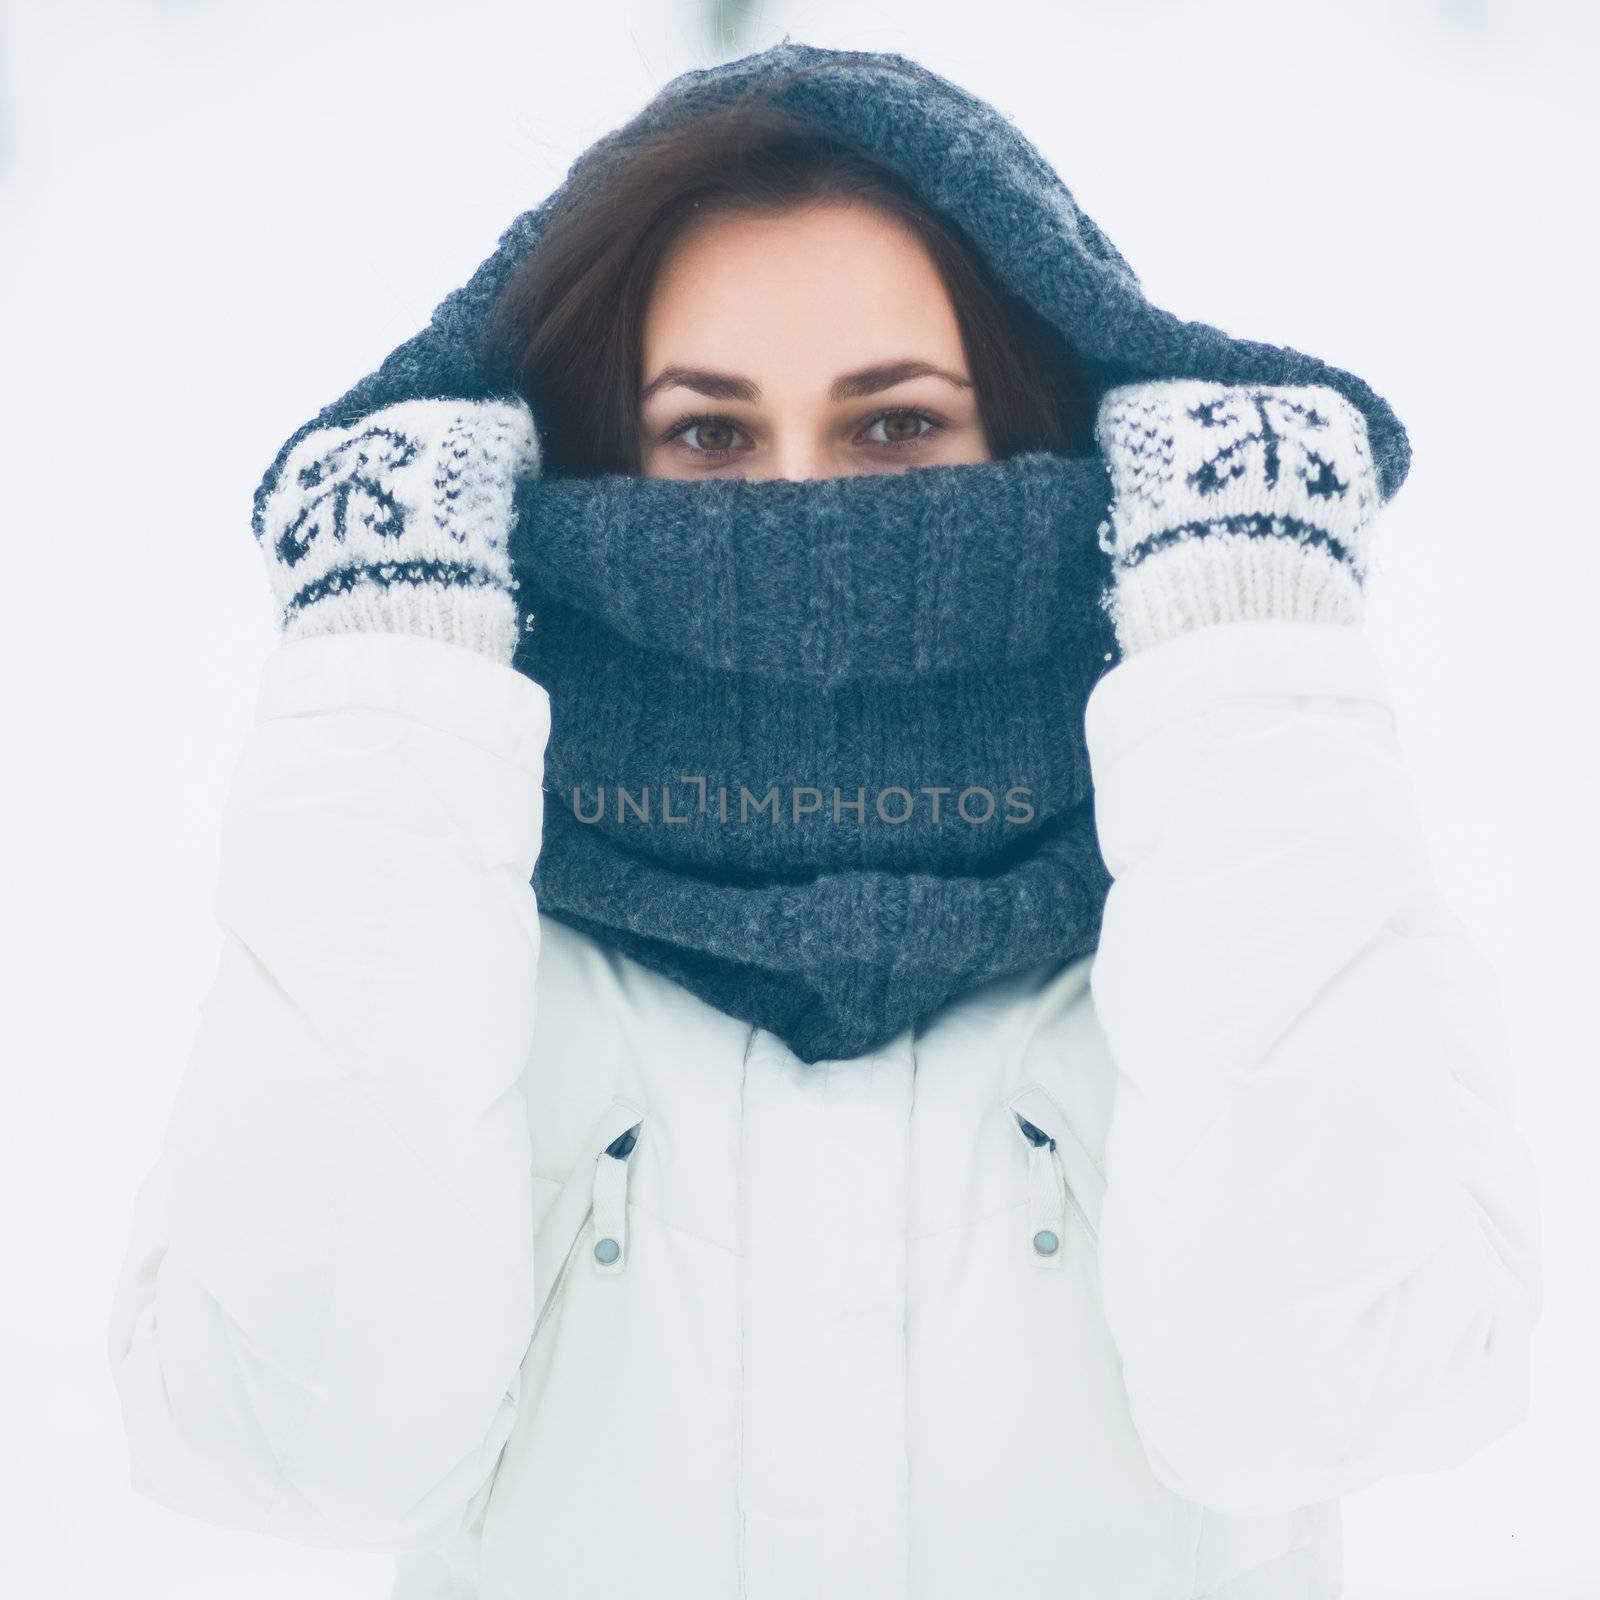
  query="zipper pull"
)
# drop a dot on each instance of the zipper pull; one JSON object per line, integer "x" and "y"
{"x": 610, "y": 1203}
{"x": 1047, "y": 1197}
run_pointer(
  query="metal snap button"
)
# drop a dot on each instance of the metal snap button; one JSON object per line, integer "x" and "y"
{"x": 607, "y": 1251}
{"x": 1045, "y": 1242}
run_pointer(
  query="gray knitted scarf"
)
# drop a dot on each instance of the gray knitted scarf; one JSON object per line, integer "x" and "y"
{"x": 882, "y": 636}
{"x": 817, "y": 747}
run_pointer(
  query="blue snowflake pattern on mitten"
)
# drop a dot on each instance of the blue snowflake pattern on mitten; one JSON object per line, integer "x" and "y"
{"x": 1293, "y": 434}
{"x": 358, "y": 469}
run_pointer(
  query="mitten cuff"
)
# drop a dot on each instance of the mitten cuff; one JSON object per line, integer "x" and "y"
{"x": 1229, "y": 577}
{"x": 400, "y": 522}
{"x": 480, "y": 615}
{"x": 1232, "y": 502}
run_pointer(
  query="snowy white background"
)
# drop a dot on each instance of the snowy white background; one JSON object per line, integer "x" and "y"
{"x": 216, "y": 215}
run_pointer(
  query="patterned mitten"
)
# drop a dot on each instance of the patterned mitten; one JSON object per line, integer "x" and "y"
{"x": 398, "y": 523}
{"x": 1232, "y": 502}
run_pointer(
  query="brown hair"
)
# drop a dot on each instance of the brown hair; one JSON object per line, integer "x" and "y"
{"x": 567, "y": 328}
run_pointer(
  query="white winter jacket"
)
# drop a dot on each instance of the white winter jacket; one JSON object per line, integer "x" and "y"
{"x": 474, "y": 1241}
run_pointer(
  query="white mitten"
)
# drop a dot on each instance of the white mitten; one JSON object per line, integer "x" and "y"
{"x": 1233, "y": 502}
{"x": 399, "y": 523}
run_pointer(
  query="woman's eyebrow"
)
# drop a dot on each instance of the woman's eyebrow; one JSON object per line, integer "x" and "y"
{"x": 869, "y": 380}
{"x": 718, "y": 385}
{"x": 851, "y": 386}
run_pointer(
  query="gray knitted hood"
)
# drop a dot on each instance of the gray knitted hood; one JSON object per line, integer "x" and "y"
{"x": 968, "y": 161}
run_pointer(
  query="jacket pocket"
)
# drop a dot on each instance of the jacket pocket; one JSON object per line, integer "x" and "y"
{"x": 1063, "y": 1178}
{"x": 595, "y": 1192}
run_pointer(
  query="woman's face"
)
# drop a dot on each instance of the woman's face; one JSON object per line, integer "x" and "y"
{"x": 818, "y": 343}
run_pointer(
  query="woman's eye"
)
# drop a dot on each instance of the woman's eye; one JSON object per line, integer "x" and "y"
{"x": 711, "y": 436}
{"x": 900, "y": 428}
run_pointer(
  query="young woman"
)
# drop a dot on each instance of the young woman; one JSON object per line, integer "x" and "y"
{"x": 831, "y": 982}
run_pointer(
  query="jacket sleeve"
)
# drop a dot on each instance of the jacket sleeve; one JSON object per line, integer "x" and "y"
{"x": 329, "y": 1285}
{"x": 1319, "y": 1248}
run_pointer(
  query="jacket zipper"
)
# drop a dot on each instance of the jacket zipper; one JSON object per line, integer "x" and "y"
{"x": 1051, "y": 1194}
{"x": 606, "y": 1177}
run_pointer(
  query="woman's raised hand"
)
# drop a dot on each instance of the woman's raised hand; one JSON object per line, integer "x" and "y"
{"x": 1233, "y": 501}
{"x": 398, "y": 522}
